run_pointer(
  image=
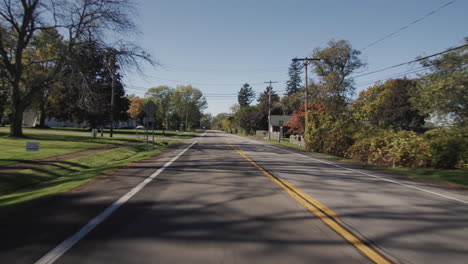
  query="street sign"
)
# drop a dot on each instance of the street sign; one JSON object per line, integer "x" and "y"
{"x": 32, "y": 146}
{"x": 150, "y": 108}
{"x": 149, "y": 119}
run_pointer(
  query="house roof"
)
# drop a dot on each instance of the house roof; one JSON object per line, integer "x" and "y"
{"x": 279, "y": 120}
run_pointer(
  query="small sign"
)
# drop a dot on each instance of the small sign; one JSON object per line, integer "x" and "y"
{"x": 149, "y": 119}
{"x": 32, "y": 146}
{"x": 150, "y": 108}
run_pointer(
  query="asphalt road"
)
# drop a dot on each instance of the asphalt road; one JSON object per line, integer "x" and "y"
{"x": 212, "y": 205}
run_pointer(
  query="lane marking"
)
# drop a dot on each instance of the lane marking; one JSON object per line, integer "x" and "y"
{"x": 361, "y": 172}
{"x": 320, "y": 210}
{"x": 63, "y": 247}
{"x": 375, "y": 176}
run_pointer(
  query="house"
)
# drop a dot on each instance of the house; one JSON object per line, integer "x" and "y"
{"x": 278, "y": 121}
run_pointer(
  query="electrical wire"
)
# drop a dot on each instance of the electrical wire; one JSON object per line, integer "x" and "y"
{"x": 409, "y": 62}
{"x": 407, "y": 26}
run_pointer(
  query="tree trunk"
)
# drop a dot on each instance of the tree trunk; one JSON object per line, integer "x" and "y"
{"x": 42, "y": 114}
{"x": 16, "y": 128}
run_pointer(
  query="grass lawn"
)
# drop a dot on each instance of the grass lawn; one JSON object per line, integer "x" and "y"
{"x": 457, "y": 177}
{"x": 13, "y": 149}
{"x": 157, "y": 133}
{"x": 48, "y": 180}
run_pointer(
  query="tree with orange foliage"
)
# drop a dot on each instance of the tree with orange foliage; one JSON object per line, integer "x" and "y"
{"x": 136, "y": 108}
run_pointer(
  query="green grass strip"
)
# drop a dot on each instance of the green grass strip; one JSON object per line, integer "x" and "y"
{"x": 13, "y": 149}
{"x": 63, "y": 176}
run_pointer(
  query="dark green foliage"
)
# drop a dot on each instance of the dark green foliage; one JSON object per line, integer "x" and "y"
{"x": 248, "y": 120}
{"x": 263, "y": 97}
{"x": 395, "y": 111}
{"x": 87, "y": 95}
{"x": 293, "y": 86}
{"x": 246, "y": 95}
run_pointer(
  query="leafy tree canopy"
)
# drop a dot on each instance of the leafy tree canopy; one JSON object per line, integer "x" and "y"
{"x": 337, "y": 62}
{"x": 443, "y": 93}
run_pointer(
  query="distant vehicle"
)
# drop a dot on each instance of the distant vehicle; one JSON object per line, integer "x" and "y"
{"x": 140, "y": 127}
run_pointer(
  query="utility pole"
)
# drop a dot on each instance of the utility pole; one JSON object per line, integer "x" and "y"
{"x": 112, "y": 68}
{"x": 306, "y": 93}
{"x": 269, "y": 106}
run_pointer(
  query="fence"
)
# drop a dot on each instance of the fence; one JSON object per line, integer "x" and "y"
{"x": 297, "y": 140}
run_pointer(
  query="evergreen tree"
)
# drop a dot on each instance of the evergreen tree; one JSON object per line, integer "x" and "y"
{"x": 246, "y": 95}
{"x": 293, "y": 86}
{"x": 263, "y": 97}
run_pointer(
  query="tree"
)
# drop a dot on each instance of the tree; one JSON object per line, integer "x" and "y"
{"x": 82, "y": 21}
{"x": 246, "y": 95}
{"x": 263, "y": 96}
{"x": 88, "y": 90}
{"x": 293, "y": 85}
{"x": 388, "y": 105}
{"x": 337, "y": 61}
{"x": 162, "y": 96}
{"x": 248, "y": 120}
{"x": 263, "y": 106}
{"x": 217, "y": 121}
{"x": 189, "y": 104}
{"x": 45, "y": 49}
{"x": 291, "y": 103}
{"x": 296, "y": 125}
{"x": 395, "y": 111}
{"x": 135, "y": 109}
{"x": 443, "y": 93}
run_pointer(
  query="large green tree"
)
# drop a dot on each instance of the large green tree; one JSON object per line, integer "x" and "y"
{"x": 189, "y": 104}
{"x": 443, "y": 93}
{"x": 82, "y": 21}
{"x": 163, "y": 97}
{"x": 88, "y": 92}
{"x": 293, "y": 85}
{"x": 337, "y": 62}
{"x": 246, "y": 95}
{"x": 387, "y": 105}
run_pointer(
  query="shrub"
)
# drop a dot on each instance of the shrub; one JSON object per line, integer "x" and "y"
{"x": 391, "y": 149}
{"x": 448, "y": 147}
{"x": 328, "y": 134}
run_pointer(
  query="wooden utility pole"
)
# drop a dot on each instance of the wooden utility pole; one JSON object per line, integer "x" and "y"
{"x": 112, "y": 68}
{"x": 269, "y": 107}
{"x": 306, "y": 93}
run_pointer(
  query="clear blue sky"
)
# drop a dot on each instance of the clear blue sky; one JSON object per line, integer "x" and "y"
{"x": 218, "y": 45}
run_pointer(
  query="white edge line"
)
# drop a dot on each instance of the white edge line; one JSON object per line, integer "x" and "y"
{"x": 375, "y": 176}
{"x": 367, "y": 174}
{"x": 63, "y": 247}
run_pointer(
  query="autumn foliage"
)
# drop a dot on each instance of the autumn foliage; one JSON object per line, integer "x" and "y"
{"x": 296, "y": 125}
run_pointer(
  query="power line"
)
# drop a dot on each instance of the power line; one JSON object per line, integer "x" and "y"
{"x": 407, "y": 26}
{"x": 415, "y": 60}
{"x": 389, "y": 77}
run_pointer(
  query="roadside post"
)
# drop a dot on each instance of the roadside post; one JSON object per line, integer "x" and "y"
{"x": 280, "y": 134}
{"x": 150, "y": 111}
{"x": 94, "y": 132}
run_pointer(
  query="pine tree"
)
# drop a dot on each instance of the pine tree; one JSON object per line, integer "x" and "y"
{"x": 246, "y": 95}
{"x": 293, "y": 86}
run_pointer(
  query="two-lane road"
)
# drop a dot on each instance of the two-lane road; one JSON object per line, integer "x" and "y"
{"x": 218, "y": 202}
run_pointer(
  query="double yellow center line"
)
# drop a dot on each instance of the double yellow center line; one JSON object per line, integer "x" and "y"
{"x": 321, "y": 211}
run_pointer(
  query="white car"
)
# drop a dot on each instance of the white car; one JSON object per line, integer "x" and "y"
{"x": 140, "y": 127}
